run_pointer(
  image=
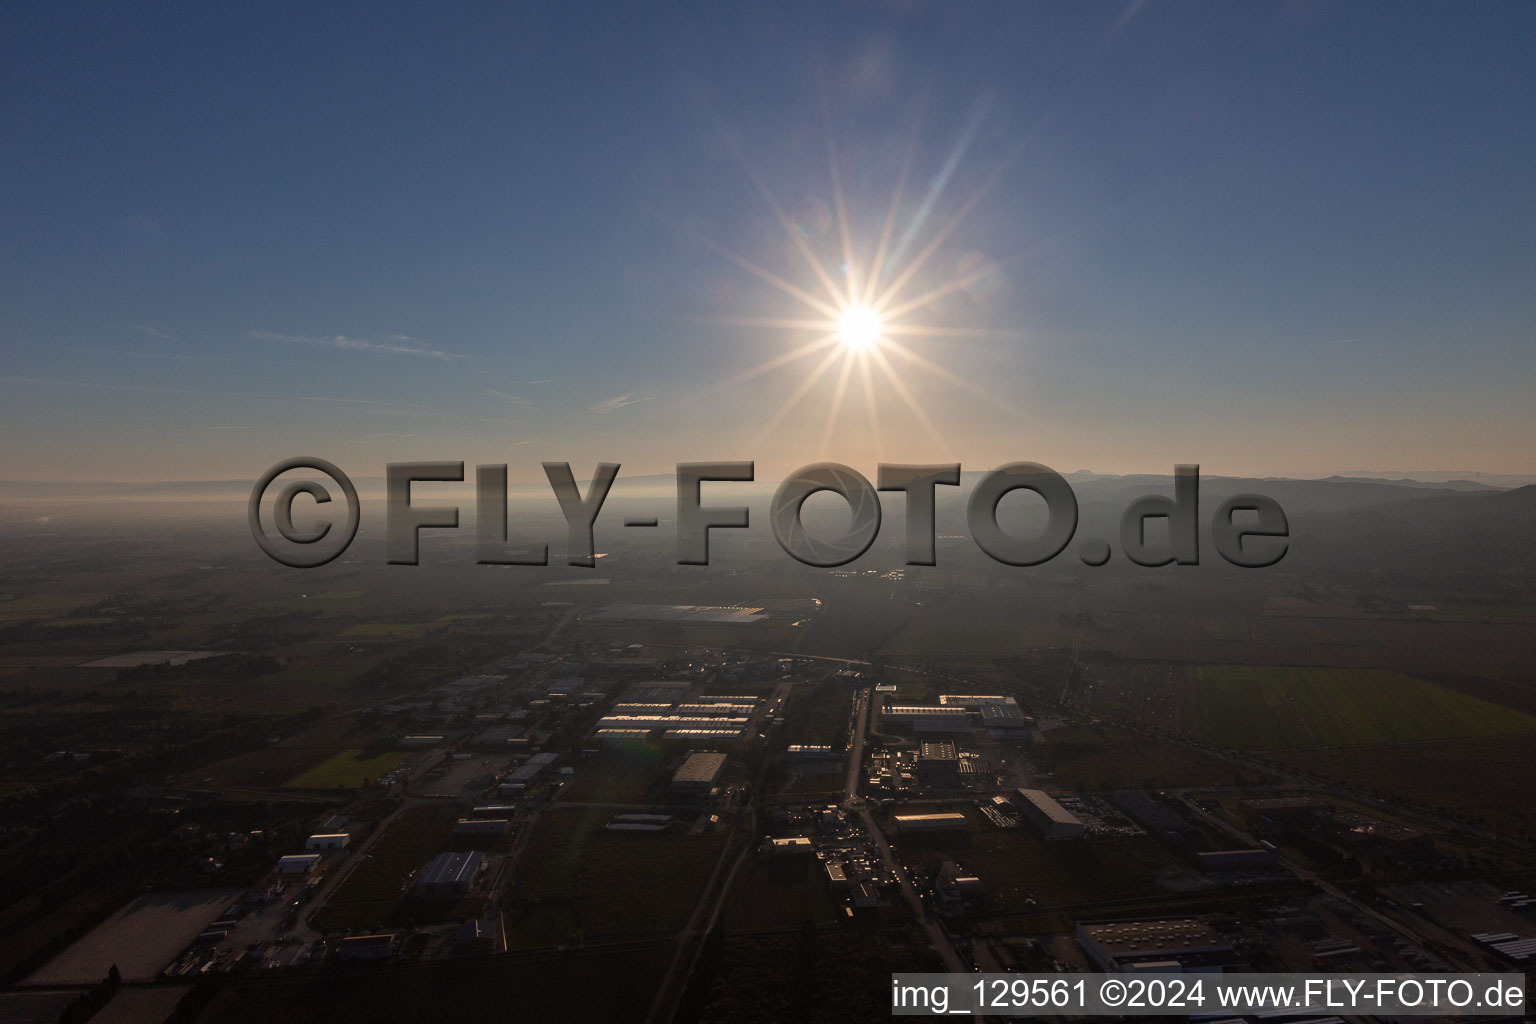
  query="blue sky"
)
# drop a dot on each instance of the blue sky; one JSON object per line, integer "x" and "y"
{"x": 1270, "y": 238}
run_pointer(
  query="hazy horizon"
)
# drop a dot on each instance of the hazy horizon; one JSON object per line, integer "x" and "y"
{"x": 1112, "y": 238}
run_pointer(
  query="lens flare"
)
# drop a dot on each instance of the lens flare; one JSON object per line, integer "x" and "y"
{"x": 860, "y": 328}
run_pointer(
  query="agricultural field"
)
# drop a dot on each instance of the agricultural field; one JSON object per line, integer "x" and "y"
{"x": 779, "y": 894}
{"x": 818, "y": 713}
{"x": 371, "y": 896}
{"x": 1487, "y": 780}
{"x": 141, "y": 939}
{"x": 1104, "y": 758}
{"x": 574, "y": 986}
{"x": 25, "y": 607}
{"x": 1024, "y": 873}
{"x": 392, "y": 630}
{"x": 1287, "y": 708}
{"x": 623, "y": 777}
{"x": 578, "y": 882}
{"x": 275, "y": 764}
{"x": 349, "y": 770}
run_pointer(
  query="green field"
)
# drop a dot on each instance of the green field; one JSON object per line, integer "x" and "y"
{"x": 578, "y": 882}
{"x": 348, "y": 770}
{"x": 1270, "y": 707}
{"x": 372, "y": 895}
{"x": 400, "y": 630}
{"x": 41, "y": 606}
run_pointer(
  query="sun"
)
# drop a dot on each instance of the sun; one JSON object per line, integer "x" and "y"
{"x": 860, "y": 328}
{"x": 861, "y": 316}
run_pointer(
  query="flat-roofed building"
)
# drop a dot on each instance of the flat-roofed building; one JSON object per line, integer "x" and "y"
{"x": 698, "y": 774}
{"x": 1156, "y": 944}
{"x": 366, "y": 947}
{"x": 666, "y": 720}
{"x": 938, "y": 763}
{"x": 448, "y": 874}
{"x": 950, "y": 821}
{"x": 1041, "y": 812}
{"x": 482, "y": 826}
{"x": 298, "y": 863}
{"x": 791, "y": 845}
{"x": 1156, "y": 817}
{"x": 610, "y": 739}
{"x": 1284, "y": 808}
{"x": 926, "y": 719}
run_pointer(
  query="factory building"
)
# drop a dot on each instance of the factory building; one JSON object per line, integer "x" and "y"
{"x": 482, "y": 827}
{"x": 1235, "y": 860}
{"x": 947, "y": 822}
{"x": 1284, "y": 809}
{"x": 529, "y": 772}
{"x": 729, "y": 726}
{"x": 1046, "y": 816}
{"x": 938, "y": 764}
{"x": 698, "y": 775}
{"x": 366, "y": 947}
{"x": 327, "y": 841}
{"x": 614, "y": 739}
{"x": 1157, "y": 818}
{"x": 298, "y": 864}
{"x": 1169, "y": 945}
{"x": 926, "y": 719}
{"x": 448, "y": 874}
{"x": 791, "y": 845}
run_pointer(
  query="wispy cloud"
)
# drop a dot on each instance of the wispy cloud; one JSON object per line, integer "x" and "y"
{"x": 511, "y": 399}
{"x": 146, "y": 329}
{"x": 392, "y": 344}
{"x": 608, "y": 406}
{"x": 1127, "y": 15}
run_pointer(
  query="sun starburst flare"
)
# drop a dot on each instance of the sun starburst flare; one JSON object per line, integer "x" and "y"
{"x": 855, "y": 322}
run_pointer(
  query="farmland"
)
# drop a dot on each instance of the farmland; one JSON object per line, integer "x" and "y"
{"x": 579, "y": 882}
{"x": 371, "y": 894}
{"x": 349, "y": 770}
{"x": 1280, "y": 708}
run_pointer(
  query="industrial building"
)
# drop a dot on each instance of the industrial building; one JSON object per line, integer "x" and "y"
{"x": 732, "y": 725}
{"x": 947, "y": 822}
{"x": 1284, "y": 809}
{"x": 1157, "y": 818}
{"x": 529, "y": 772}
{"x": 924, "y": 719}
{"x": 448, "y": 874}
{"x": 1352, "y": 830}
{"x": 938, "y": 764}
{"x": 1169, "y": 945}
{"x": 327, "y": 841}
{"x": 482, "y": 827}
{"x": 366, "y": 947}
{"x": 997, "y": 713}
{"x": 1235, "y": 860}
{"x": 1046, "y": 816}
{"x": 792, "y": 844}
{"x": 497, "y": 737}
{"x": 298, "y": 863}
{"x": 611, "y": 739}
{"x": 698, "y": 775}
